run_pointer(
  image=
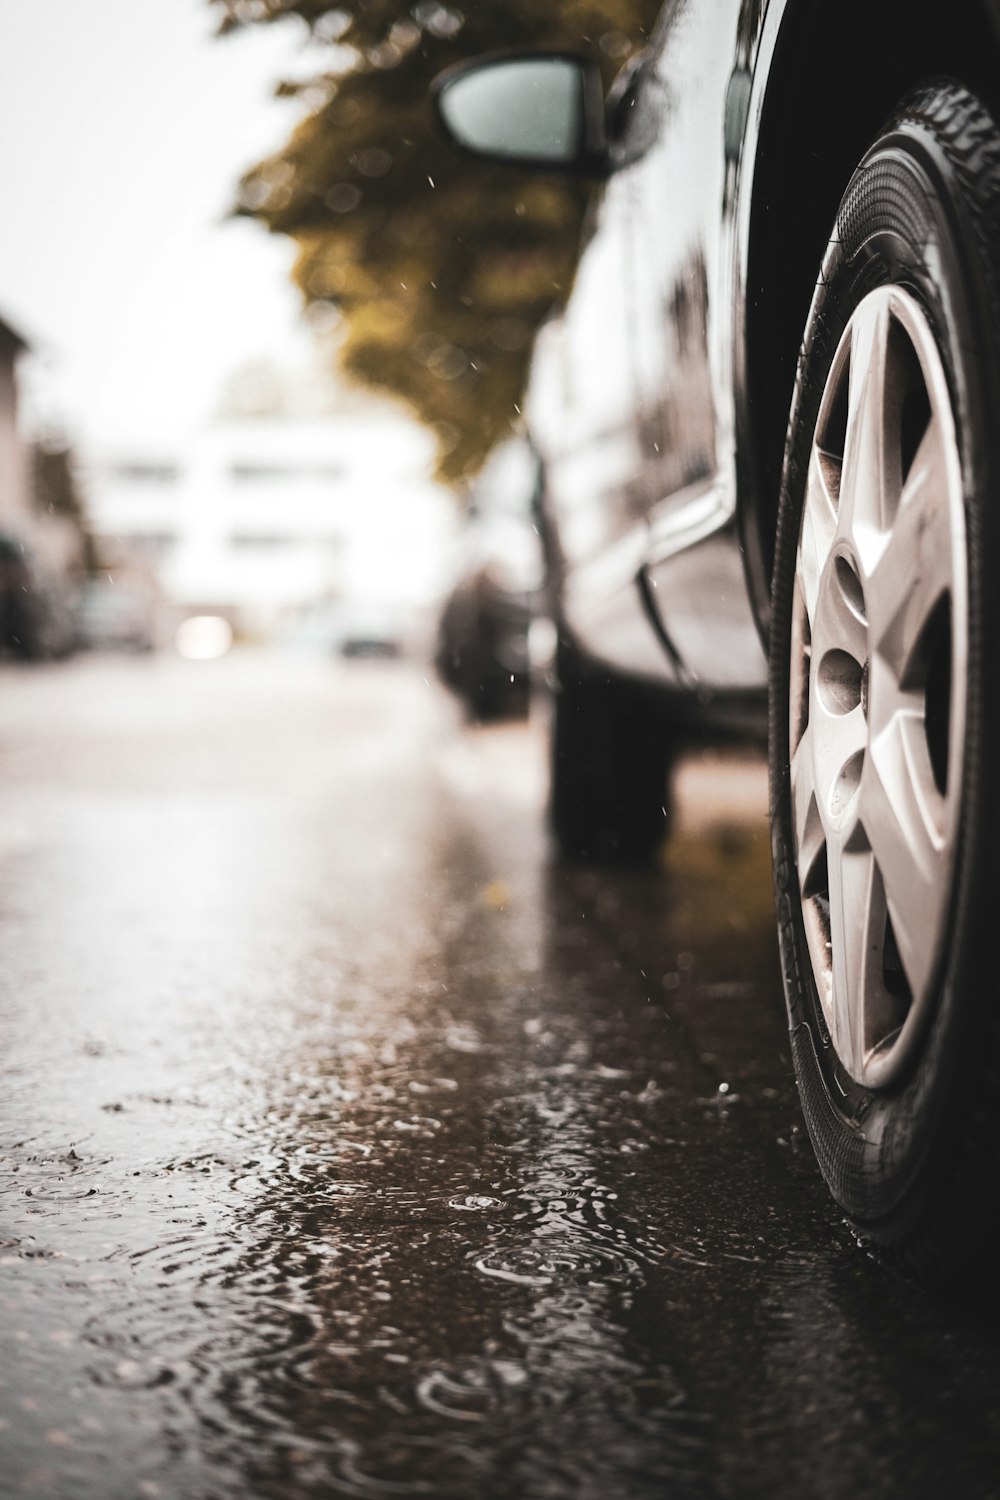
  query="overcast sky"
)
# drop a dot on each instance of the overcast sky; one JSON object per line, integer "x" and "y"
{"x": 125, "y": 126}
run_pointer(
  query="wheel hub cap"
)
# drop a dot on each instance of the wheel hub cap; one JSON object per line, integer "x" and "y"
{"x": 877, "y": 685}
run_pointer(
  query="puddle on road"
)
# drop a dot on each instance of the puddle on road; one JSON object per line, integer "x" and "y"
{"x": 400, "y": 1188}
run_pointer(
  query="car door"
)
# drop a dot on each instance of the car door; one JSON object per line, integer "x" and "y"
{"x": 682, "y": 150}
{"x": 583, "y": 415}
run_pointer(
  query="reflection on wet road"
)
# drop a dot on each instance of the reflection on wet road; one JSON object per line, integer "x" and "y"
{"x": 352, "y": 1147}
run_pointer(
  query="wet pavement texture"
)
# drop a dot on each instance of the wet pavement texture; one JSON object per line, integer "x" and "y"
{"x": 353, "y": 1146}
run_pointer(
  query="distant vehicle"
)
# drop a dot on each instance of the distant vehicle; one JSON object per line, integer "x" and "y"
{"x": 354, "y": 626}
{"x": 36, "y": 617}
{"x": 482, "y": 648}
{"x": 116, "y": 616}
{"x": 769, "y": 433}
{"x": 370, "y": 627}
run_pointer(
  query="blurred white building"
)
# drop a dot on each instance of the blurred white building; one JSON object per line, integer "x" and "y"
{"x": 267, "y": 520}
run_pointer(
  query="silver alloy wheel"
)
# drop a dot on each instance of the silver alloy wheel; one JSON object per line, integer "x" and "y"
{"x": 877, "y": 685}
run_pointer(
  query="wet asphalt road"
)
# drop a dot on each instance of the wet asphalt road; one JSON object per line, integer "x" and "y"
{"x": 352, "y": 1147}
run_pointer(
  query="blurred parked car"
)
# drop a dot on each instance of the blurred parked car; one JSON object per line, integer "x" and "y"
{"x": 371, "y": 627}
{"x": 356, "y": 625}
{"x": 482, "y": 648}
{"x": 769, "y": 433}
{"x": 116, "y": 616}
{"x": 36, "y": 617}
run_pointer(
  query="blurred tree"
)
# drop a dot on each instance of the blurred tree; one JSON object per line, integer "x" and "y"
{"x": 442, "y": 268}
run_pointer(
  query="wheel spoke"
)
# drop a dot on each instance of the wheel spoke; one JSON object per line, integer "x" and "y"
{"x": 916, "y": 568}
{"x": 810, "y": 836}
{"x": 867, "y": 463}
{"x": 904, "y": 817}
{"x": 836, "y": 626}
{"x": 819, "y": 525}
{"x": 857, "y": 935}
{"x": 828, "y": 763}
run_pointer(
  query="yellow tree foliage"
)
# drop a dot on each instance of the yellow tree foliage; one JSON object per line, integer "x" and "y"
{"x": 442, "y": 267}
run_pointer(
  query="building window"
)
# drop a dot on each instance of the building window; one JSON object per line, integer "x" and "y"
{"x": 253, "y": 541}
{"x": 262, "y": 473}
{"x": 145, "y": 473}
{"x": 153, "y": 545}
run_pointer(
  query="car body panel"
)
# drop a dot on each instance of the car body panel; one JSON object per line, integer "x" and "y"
{"x": 659, "y": 400}
{"x": 639, "y": 445}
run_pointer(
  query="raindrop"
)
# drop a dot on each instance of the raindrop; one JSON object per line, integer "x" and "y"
{"x": 448, "y": 362}
{"x": 439, "y": 20}
{"x": 615, "y": 44}
{"x": 509, "y": 334}
{"x": 404, "y": 34}
{"x": 557, "y": 1260}
{"x": 372, "y": 162}
{"x": 343, "y": 197}
{"x": 386, "y": 56}
{"x": 331, "y": 26}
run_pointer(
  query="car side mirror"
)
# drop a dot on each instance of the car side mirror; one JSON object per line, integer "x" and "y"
{"x": 535, "y": 110}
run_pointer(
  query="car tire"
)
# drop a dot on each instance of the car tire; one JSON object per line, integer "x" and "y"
{"x": 611, "y": 753}
{"x": 884, "y": 720}
{"x": 492, "y": 699}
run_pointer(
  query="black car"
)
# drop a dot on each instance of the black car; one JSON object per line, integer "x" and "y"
{"x": 482, "y": 649}
{"x": 769, "y": 433}
{"x": 36, "y": 619}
